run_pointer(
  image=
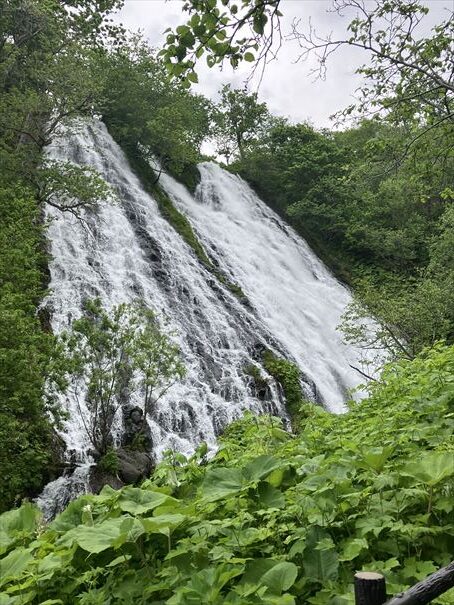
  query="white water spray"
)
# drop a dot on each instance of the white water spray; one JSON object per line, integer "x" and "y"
{"x": 127, "y": 251}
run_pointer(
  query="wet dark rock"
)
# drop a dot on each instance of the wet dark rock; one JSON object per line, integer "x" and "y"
{"x": 98, "y": 478}
{"x": 257, "y": 351}
{"x": 136, "y": 431}
{"x": 263, "y": 393}
{"x": 45, "y": 318}
{"x": 133, "y": 467}
{"x": 160, "y": 275}
{"x": 57, "y": 464}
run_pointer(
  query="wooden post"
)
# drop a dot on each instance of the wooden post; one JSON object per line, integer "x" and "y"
{"x": 370, "y": 588}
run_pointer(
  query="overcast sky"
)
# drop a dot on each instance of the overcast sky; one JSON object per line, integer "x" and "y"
{"x": 287, "y": 87}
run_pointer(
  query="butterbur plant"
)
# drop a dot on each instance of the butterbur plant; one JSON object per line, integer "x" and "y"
{"x": 272, "y": 519}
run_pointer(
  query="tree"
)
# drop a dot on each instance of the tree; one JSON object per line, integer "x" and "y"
{"x": 408, "y": 75}
{"x": 240, "y": 120}
{"x": 46, "y": 80}
{"x": 156, "y": 360}
{"x": 147, "y": 112}
{"x": 237, "y": 30}
{"x": 109, "y": 351}
{"x": 71, "y": 188}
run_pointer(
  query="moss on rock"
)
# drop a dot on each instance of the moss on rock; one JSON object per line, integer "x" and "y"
{"x": 288, "y": 375}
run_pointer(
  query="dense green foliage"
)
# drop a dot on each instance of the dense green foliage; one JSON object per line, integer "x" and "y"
{"x": 25, "y": 436}
{"x": 384, "y": 227}
{"x": 273, "y": 518}
{"x": 150, "y": 114}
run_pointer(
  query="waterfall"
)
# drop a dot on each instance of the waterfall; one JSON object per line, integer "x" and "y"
{"x": 292, "y": 292}
{"x": 127, "y": 250}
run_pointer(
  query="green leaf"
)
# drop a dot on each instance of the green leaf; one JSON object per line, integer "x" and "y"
{"x": 256, "y": 569}
{"x": 138, "y": 501}
{"x": 13, "y": 565}
{"x": 353, "y": 548}
{"x": 261, "y": 467}
{"x": 431, "y": 468}
{"x": 17, "y": 521}
{"x": 163, "y": 524}
{"x": 249, "y": 57}
{"x": 222, "y": 482}
{"x": 99, "y": 537}
{"x": 280, "y": 577}
{"x": 269, "y": 496}
{"x": 320, "y": 565}
{"x": 376, "y": 457}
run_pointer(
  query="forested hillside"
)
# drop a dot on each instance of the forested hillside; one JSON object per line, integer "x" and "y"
{"x": 287, "y": 509}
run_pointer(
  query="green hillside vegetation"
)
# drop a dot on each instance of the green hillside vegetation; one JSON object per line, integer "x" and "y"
{"x": 25, "y": 434}
{"x": 273, "y": 518}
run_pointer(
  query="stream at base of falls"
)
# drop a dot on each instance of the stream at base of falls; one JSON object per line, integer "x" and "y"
{"x": 125, "y": 251}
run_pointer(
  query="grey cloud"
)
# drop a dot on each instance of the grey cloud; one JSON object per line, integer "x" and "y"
{"x": 287, "y": 87}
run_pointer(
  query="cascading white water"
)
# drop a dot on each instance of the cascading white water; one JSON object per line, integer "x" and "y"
{"x": 125, "y": 251}
{"x": 291, "y": 290}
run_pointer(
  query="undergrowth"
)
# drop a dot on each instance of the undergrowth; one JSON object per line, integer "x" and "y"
{"x": 273, "y": 518}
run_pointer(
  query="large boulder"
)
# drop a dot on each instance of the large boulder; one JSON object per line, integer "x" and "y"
{"x": 98, "y": 478}
{"x": 136, "y": 431}
{"x": 133, "y": 467}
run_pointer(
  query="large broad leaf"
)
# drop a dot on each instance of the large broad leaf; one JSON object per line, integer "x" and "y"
{"x": 256, "y": 569}
{"x": 376, "y": 457}
{"x": 431, "y": 468}
{"x": 320, "y": 564}
{"x": 72, "y": 515}
{"x": 14, "y": 564}
{"x": 261, "y": 467}
{"x": 96, "y": 538}
{"x": 17, "y": 521}
{"x": 269, "y": 496}
{"x": 222, "y": 482}
{"x": 277, "y": 576}
{"x": 138, "y": 501}
{"x": 280, "y": 577}
{"x": 24, "y": 518}
{"x": 164, "y": 524}
{"x": 353, "y": 548}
